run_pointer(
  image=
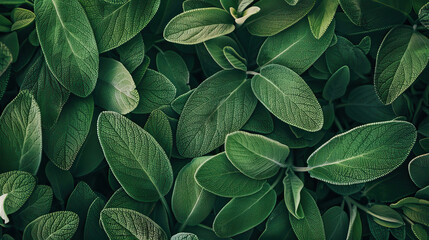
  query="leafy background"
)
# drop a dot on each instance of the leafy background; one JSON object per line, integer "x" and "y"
{"x": 214, "y": 119}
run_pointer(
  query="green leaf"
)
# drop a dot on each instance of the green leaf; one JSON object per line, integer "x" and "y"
{"x": 364, "y": 106}
{"x": 120, "y": 199}
{"x": 174, "y": 68}
{"x": 179, "y": 103}
{"x": 218, "y": 176}
{"x": 15, "y": 188}
{"x": 385, "y": 216}
{"x": 48, "y": 92}
{"x": 363, "y": 154}
{"x": 254, "y": 155}
{"x": 335, "y": 222}
{"x": 415, "y": 209}
{"x": 402, "y": 47}
{"x": 278, "y": 225}
{"x": 115, "y": 24}
{"x": 5, "y": 58}
{"x": 286, "y": 95}
{"x": 21, "y": 18}
{"x": 378, "y": 232}
{"x": 92, "y": 229}
{"x": 220, "y": 105}
{"x": 184, "y": 236}
{"x": 53, "y": 226}
{"x": 419, "y": 231}
{"x": 198, "y": 25}
{"x": 336, "y": 86}
{"x": 64, "y": 140}
{"x": 134, "y": 156}
{"x": 190, "y": 203}
{"x": 418, "y": 169}
{"x": 295, "y": 48}
{"x": 311, "y": 226}
{"x": 354, "y": 231}
{"x": 215, "y": 48}
{"x": 115, "y": 90}
{"x": 260, "y": 121}
{"x": 61, "y": 181}
{"x": 424, "y": 15}
{"x": 321, "y": 17}
{"x": 292, "y": 194}
{"x": 121, "y": 223}
{"x": 155, "y": 90}
{"x": 21, "y": 135}
{"x": 159, "y": 127}
{"x": 79, "y": 202}
{"x": 237, "y": 61}
{"x": 276, "y": 15}
{"x": 131, "y": 53}
{"x": 243, "y": 213}
{"x": 68, "y": 44}
{"x": 38, "y": 204}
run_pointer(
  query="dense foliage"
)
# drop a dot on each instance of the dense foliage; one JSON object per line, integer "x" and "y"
{"x": 214, "y": 119}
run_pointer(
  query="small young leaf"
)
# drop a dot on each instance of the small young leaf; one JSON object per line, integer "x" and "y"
{"x": 21, "y": 18}
{"x": 237, "y": 61}
{"x": 336, "y": 86}
{"x": 120, "y": 199}
{"x": 363, "y": 154}
{"x": 174, "y": 68}
{"x": 198, "y": 25}
{"x": 292, "y": 194}
{"x": 121, "y": 223}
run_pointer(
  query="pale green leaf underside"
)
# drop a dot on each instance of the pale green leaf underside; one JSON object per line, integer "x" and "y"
{"x": 21, "y": 135}
{"x": 402, "y": 56}
{"x": 199, "y": 25}
{"x": 120, "y": 223}
{"x": 286, "y": 95}
{"x": 53, "y": 226}
{"x": 65, "y": 33}
{"x": 363, "y": 153}
{"x": 134, "y": 156}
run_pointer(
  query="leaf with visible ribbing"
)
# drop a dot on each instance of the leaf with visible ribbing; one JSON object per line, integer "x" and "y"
{"x": 120, "y": 199}
{"x": 174, "y": 68}
{"x": 402, "y": 56}
{"x": 276, "y": 15}
{"x": 295, "y": 48}
{"x": 5, "y": 58}
{"x": 159, "y": 127}
{"x": 215, "y": 48}
{"x": 292, "y": 194}
{"x": 115, "y": 24}
{"x": 418, "y": 169}
{"x": 115, "y": 90}
{"x": 256, "y": 156}
{"x": 53, "y": 226}
{"x": 335, "y": 222}
{"x": 155, "y": 90}
{"x": 21, "y": 18}
{"x": 190, "y": 203}
{"x": 321, "y": 17}
{"x": 311, "y": 226}
{"x": 220, "y": 105}
{"x": 68, "y": 44}
{"x": 424, "y": 15}
{"x": 184, "y": 236}
{"x": 286, "y": 95}
{"x": 198, "y": 25}
{"x": 18, "y": 186}
{"x": 234, "y": 58}
{"x": 21, "y": 135}
{"x": 134, "y": 156}
{"x": 243, "y": 213}
{"x": 121, "y": 223}
{"x": 364, "y": 153}
{"x": 131, "y": 53}
{"x": 63, "y": 141}
{"x": 217, "y": 175}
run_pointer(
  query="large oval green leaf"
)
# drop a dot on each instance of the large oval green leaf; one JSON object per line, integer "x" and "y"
{"x": 68, "y": 43}
{"x": 53, "y": 226}
{"x": 63, "y": 141}
{"x": 295, "y": 48}
{"x": 219, "y": 105}
{"x": 401, "y": 48}
{"x": 199, "y": 25}
{"x": 311, "y": 226}
{"x": 21, "y": 135}
{"x": 364, "y": 153}
{"x": 134, "y": 156}
{"x": 17, "y": 186}
{"x": 217, "y": 175}
{"x": 121, "y": 223}
{"x": 115, "y": 88}
{"x": 278, "y": 225}
{"x": 418, "y": 169}
{"x": 190, "y": 203}
{"x": 174, "y": 68}
{"x": 115, "y": 24}
{"x": 335, "y": 221}
{"x": 243, "y": 213}
{"x": 286, "y": 95}
{"x": 256, "y": 156}
{"x": 276, "y": 15}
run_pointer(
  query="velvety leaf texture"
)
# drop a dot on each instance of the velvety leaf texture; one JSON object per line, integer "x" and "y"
{"x": 57, "y": 225}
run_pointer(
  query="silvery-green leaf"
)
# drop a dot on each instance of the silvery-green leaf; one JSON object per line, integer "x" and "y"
{"x": 292, "y": 194}
{"x": 53, "y": 226}
{"x": 321, "y": 17}
{"x": 21, "y": 18}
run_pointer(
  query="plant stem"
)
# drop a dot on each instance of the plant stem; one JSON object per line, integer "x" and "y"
{"x": 354, "y": 202}
{"x": 252, "y": 73}
{"x": 157, "y": 48}
{"x": 301, "y": 169}
{"x": 278, "y": 179}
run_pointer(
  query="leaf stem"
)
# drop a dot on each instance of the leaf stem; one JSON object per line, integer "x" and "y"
{"x": 278, "y": 179}
{"x": 167, "y": 209}
{"x": 338, "y": 124}
{"x": 354, "y": 202}
{"x": 252, "y": 73}
{"x": 301, "y": 169}
{"x": 158, "y": 48}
